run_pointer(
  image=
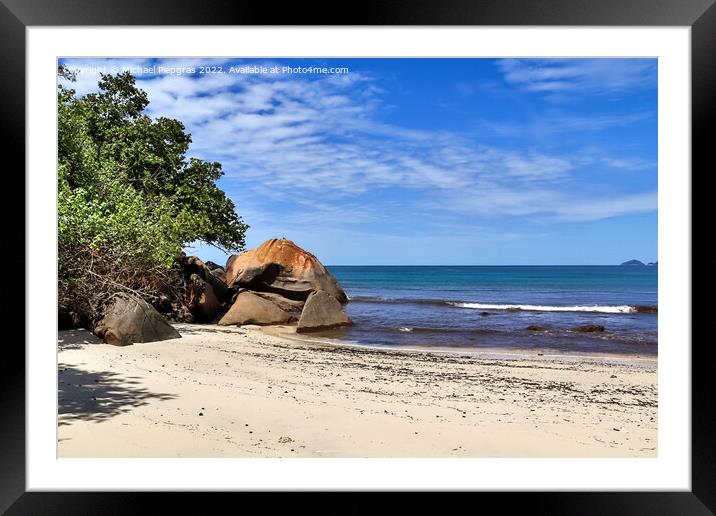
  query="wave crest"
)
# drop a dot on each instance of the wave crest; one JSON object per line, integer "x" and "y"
{"x": 618, "y": 309}
{"x": 608, "y": 309}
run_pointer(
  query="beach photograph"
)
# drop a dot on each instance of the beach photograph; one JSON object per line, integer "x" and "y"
{"x": 357, "y": 257}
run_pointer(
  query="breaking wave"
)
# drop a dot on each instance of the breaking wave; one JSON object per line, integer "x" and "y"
{"x": 618, "y": 309}
{"x": 608, "y": 309}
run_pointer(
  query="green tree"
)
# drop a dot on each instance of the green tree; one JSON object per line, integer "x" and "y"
{"x": 129, "y": 199}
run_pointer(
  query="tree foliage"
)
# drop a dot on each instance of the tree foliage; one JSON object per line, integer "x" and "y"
{"x": 129, "y": 199}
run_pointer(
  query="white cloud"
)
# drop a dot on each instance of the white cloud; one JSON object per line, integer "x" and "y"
{"x": 287, "y": 141}
{"x": 547, "y": 126}
{"x": 601, "y": 75}
{"x": 628, "y": 163}
{"x": 491, "y": 200}
{"x": 601, "y": 207}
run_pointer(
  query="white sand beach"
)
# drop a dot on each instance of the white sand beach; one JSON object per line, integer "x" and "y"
{"x": 252, "y": 392}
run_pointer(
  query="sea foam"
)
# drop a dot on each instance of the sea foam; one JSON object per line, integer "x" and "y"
{"x": 618, "y": 309}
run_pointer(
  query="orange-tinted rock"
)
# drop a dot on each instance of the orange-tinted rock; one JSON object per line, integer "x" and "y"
{"x": 280, "y": 266}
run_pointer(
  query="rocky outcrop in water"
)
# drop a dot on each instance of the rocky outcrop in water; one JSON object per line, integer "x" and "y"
{"x": 589, "y": 328}
{"x": 537, "y": 327}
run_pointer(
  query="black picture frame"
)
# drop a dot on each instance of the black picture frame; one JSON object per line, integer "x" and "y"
{"x": 700, "y": 15}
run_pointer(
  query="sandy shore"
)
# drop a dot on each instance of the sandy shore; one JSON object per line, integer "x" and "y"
{"x": 247, "y": 392}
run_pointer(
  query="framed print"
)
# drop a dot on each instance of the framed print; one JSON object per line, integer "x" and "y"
{"x": 440, "y": 248}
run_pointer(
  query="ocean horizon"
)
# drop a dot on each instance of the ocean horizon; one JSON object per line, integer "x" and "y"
{"x": 494, "y": 265}
{"x": 510, "y": 307}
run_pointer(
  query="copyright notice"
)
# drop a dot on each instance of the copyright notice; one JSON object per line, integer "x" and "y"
{"x": 212, "y": 69}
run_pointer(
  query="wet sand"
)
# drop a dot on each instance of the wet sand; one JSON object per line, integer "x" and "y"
{"x": 252, "y": 392}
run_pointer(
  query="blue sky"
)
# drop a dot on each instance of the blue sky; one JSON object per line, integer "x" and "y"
{"x": 425, "y": 161}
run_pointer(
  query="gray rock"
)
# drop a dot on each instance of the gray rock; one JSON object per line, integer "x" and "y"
{"x": 590, "y": 328}
{"x": 287, "y": 305}
{"x": 128, "y": 319}
{"x": 537, "y": 327}
{"x": 248, "y": 308}
{"x": 322, "y": 311}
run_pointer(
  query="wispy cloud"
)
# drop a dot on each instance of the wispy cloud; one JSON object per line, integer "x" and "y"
{"x": 548, "y": 205}
{"x": 316, "y": 148}
{"x": 607, "y": 206}
{"x": 549, "y": 125}
{"x": 628, "y": 163}
{"x": 559, "y": 76}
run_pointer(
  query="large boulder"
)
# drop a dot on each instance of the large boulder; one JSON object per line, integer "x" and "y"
{"x": 201, "y": 299}
{"x": 321, "y": 312}
{"x": 248, "y": 308}
{"x": 217, "y": 270}
{"x": 287, "y": 305}
{"x": 281, "y": 267}
{"x": 128, "y": 319}
{"x": 193, "y": 265}
{"x": 220, "y": 274}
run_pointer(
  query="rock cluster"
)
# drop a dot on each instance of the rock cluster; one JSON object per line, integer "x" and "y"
{"x": 276, "y": 283}
{"x": 280, "y": 283}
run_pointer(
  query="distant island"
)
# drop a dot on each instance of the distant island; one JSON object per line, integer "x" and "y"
{"x": 637, "y": 262}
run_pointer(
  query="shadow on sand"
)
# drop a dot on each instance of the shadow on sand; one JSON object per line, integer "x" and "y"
{"x": 99, "y": 396}
{"x": 76, "y": 339}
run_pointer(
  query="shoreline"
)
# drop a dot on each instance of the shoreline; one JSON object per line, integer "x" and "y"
{"x": 289, "y": 332}
{"x": 247, "y": 392}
